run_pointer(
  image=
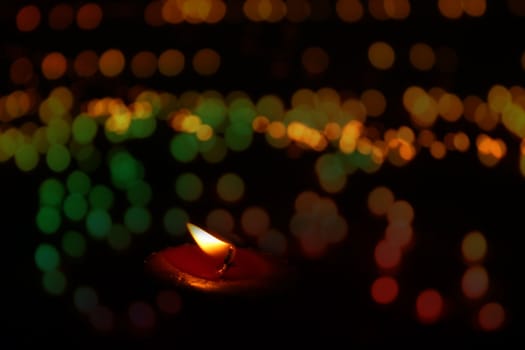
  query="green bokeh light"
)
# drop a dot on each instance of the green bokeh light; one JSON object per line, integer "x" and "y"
{"x": 101, "y": 197}
{"x": 74, "y": 244}
{"x": 52, "y": 107}
{"x": 184, "y": 147}
{"x": 124, "y": 169}
{"x": 58, "y": 131}
{"x": 84, "y": 129}
{"x": 26, "y": 157}
{"x": 175, "y": 221}
{"x": 51, "y": 192}
{"x": 58, "y": 157}
{"x": 230, "y": 187}
{"x": 143, "y": 127}
{"x": 98, "y": 223}
{"x": 47, "y": 257}
{"x": 188, "y": 186}
{"x": 54, "y": 282}
{"x": 7, "y": 144}
{"x": 270, "y": 106}
{"x": 239, "y": 136}
{"x": 88, "y": 158}
{"x": 116, "y": 137}
{"x": 40, "y": 141}
{"x": 48, "y": 219}
{"x": 137, "y": 219}
{"x": 212, "y": 112}
{"x": 139, "y": 193}
{"x": 242, "y": 111}
{"x": 85, "y": 298}
{"x": 75, "y": 206}
{"x": 78, "y": 182}
{"x": 119, "y": 237}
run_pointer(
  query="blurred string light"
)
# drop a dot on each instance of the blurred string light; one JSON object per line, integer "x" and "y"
{"x": 209, "y": 125}
{"x": 389, "y": 249}
{"x": 157, "y": 13}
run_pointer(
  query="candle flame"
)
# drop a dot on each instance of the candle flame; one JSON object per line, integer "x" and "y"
{"x": 210, "y": 244}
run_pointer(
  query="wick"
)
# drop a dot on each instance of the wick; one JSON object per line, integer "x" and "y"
{"x": 228, "y": 261}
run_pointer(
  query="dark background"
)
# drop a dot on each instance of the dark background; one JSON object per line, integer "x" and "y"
{"x": 331, "y": 300}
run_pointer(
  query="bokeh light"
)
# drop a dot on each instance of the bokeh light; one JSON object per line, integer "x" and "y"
{"x": 206, "y": 62}
{"x": 61, "y": 16}
{"x": 54, "y": 65}
{"x": 384, "y": 290}
{"x": 491, "y": 316}
{"x": 474, "y": 247}
{"x": 429, "y": 306}
{"x": 475, "y": 282}
{"x": 89, "y": 16}
{"x": 171, "y": 62}
{"x": 111, "y": 62}
{"x": 83, "y": 115}
{"x": 230, "y": 187}
{"x": 381, "y": 55}
{"x": 28, "y": 18}
{"x": 315, "y": 60}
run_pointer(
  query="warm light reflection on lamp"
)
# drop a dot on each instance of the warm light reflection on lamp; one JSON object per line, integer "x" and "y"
{"x": 213, "y": 246}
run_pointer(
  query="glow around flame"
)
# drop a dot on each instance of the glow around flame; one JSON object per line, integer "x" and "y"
{"x": 210, "y": 244}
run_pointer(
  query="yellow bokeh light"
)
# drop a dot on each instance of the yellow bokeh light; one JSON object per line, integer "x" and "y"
{"x": 474, "y": 247}
{"x": 450, "y": 107}
{"x": 204, "y": 132}
{"x": 118, "y": 123}
{"x": 499, "y": 98}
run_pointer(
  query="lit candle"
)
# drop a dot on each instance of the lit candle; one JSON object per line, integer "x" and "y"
{"x": 216, "y": 265}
